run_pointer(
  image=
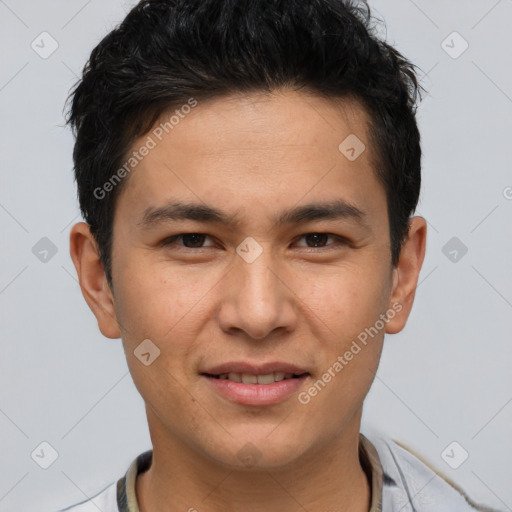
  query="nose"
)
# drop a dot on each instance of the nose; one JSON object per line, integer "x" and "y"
{"x": 257, "y": 299}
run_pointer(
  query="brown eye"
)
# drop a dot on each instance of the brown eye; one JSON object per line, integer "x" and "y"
{"x": 319, "y": 240}
{"x": 189, "y": 240}
{"x": 194, "y": 239}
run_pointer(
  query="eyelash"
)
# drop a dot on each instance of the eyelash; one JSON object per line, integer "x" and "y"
{"x": 340, "y": 241}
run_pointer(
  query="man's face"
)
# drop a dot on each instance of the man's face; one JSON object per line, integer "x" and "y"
{"x": 259, "y": 290}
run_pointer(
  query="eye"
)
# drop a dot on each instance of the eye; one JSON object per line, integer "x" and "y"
{"x": 196, "y": 241}
{"x": 190, "y": 240}
{"x": 319, "y": 240}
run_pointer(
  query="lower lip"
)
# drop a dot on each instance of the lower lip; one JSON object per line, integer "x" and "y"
{"x": 256, "y": 394}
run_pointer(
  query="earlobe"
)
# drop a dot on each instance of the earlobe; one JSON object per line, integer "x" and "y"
{"x": 405, "y": 274}
{"x": 92, "y": 279}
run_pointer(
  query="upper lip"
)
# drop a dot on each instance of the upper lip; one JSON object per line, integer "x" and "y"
{"x": 255, "y": 368}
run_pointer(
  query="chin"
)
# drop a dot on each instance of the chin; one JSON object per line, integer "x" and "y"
{"x": 263, "y": 450}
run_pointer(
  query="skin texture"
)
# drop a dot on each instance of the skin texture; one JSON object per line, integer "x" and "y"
{"x": 253, "y": 156}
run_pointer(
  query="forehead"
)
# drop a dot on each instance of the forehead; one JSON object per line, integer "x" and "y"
{"x": 265, "y": 122}
{"x": 259, "y": 150}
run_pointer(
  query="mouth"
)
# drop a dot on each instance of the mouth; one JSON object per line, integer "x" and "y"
{"x": 254, "y": 384}
{"x": 251, "y": 378}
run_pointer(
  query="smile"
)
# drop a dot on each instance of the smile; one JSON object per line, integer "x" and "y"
{"x": 249, "y": 389}
{"x": 248, "y": 378}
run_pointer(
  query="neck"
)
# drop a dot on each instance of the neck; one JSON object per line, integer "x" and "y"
{"x": 329, "y": 478}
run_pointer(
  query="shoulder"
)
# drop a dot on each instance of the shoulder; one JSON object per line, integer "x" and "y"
{"x": 119, "y": 495}
{"x": 411, "y": 484}
{"x": 105, "y": 500}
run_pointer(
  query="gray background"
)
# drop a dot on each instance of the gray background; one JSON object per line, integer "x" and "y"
{"x": 445, "y": 378}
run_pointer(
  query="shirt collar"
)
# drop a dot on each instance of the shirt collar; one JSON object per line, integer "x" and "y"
{"x": 370, "y": 462}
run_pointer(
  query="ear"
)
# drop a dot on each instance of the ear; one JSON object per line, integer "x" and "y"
{"x": 405, "y": 274}
{"x": 92, "y": 279}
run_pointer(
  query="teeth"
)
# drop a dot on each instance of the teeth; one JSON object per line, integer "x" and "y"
{"x": 266, "y": 379}
{"x": 248, "y": 378}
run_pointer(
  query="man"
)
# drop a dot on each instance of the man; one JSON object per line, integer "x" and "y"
{"x": 247, "y": 170}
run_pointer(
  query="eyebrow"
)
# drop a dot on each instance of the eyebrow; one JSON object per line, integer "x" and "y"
{"x": 179, "y": 211}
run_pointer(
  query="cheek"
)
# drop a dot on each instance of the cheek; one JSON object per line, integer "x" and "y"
{"x": 155, "y": 300}
{"x": 349, "y": 301}
{"x": 171, "y": 307}
{"x": 165, "y": 307}
{"x": 346, "y": 298}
